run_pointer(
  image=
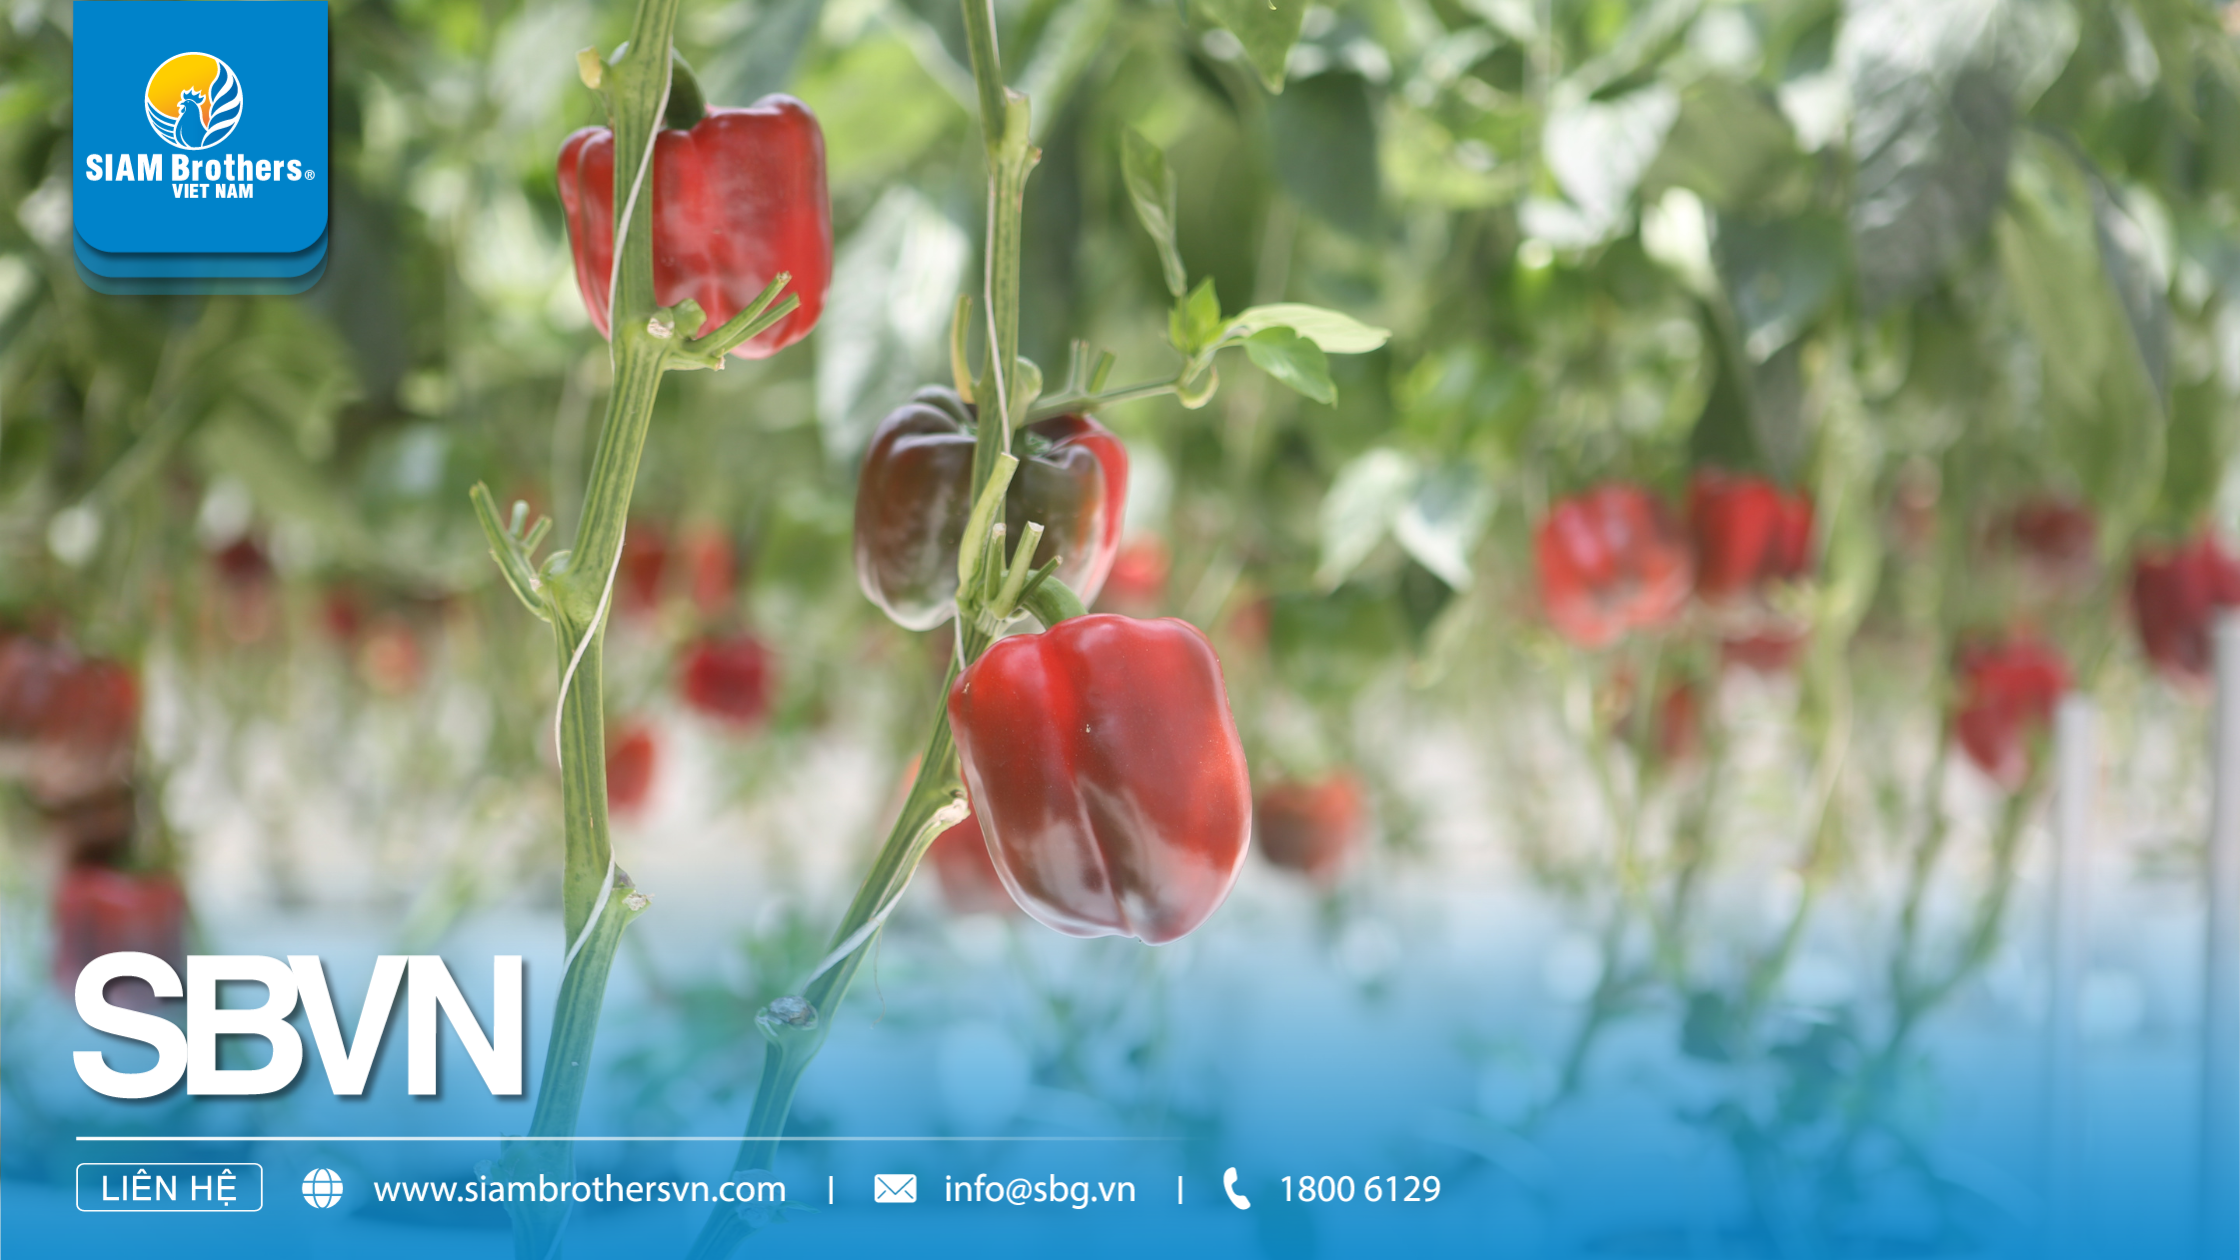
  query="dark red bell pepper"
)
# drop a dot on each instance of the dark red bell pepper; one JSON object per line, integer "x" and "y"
{"x": 1106, "y": 773}
{"x": 736, "y": 200}
{"x": 915, "y": 492}
{"x": 2175, "y": 594}
{"x": 1611, "y": 560}
{"x": 2054, "y": 534}
{"x": 1312, "y": 828}
{"x": 2008, "y": 690}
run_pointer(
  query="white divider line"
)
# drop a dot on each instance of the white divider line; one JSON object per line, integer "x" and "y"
{"x": 2220, "y": 1005}
{"x": 2076, "y": 784}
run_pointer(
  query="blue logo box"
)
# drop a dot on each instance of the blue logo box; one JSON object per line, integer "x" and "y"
{"x": 200, "y": 135}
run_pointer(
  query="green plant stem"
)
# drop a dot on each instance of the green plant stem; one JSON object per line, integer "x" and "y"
{"x": 1821, "y": 850}
{"x": 796, "y": 1026}
{"x": 1005, "y": 118}
{"x": 1913, "y": 1001}
{"x": 795, "y": 1047}
{"x": 1615, "y": 986}
{"x": 598, "y": 900}
{"x": 1060, "y": 404}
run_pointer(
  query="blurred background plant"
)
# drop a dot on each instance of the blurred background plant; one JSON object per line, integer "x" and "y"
{"x": 1956, "y": 276}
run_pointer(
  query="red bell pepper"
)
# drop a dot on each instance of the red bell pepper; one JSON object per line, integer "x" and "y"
{"x": 633, "y": 758}
{"x": 1106, "y": 773}
{"x": 102, "y": 911}
{"x": 2175, "y": 595}
{"x": 915, "y": 492}
{"x": 1312, "y": 828}
{"x": 727, "y": 678}
{"x": 2008, "y": 690}
{"x": 1137, "y": 586}
{"x": 1747, "y": 533}
{"x": 737, "y": 199}
{"x": 2056, "y": 536}
{"x": 1611, "y": 560}
{"x": 645, "y": 568}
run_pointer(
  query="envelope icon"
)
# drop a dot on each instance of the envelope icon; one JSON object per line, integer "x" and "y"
{"x": 894, "y": 1188}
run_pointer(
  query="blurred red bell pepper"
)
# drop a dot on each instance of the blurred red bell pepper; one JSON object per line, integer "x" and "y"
{"x": 2056, "y": 536}
{"x": 1312, "y": 828}
{"x": 633, "y": 758}
{"x": 1747, "y": 532}
{"x": 2008, "y": 690}
{"x": 1611, "y": 560}
{"x": 727, "y": 678}
{"x": 2175, "y": 595}
{"x": 1106, "y": 773}
{"x": 915, "y": 492}
{"x": 736, "y": 200}
{"x": 102, "y": 911}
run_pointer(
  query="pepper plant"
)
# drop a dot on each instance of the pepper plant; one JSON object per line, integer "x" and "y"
{"x": 573, "y": 589}
{"x": 1161, "y": 879}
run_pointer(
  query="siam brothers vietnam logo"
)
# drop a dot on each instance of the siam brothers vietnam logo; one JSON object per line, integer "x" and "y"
{"x": 194, "y": 101}
{"x": 219, "y": 198}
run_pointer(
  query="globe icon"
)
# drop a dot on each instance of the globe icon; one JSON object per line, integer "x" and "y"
{"x": 322, "y": 1187}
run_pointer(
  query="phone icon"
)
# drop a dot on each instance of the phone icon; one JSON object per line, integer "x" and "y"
{"x": 1229, "y": 1187}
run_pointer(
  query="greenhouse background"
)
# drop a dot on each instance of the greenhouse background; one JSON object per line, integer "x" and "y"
{"x": 1731, "y": 686}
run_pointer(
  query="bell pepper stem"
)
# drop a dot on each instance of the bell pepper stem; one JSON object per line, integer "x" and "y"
{"x": 1062, "y": 404}
{"x": 1052, "y": 601}
{"x": 752, "y": 320}
{"x": 1015, "y": 577}
{"x": 987, "y": 509}
{"x": 960, "y": 333}
{"x": 687, "y": 104}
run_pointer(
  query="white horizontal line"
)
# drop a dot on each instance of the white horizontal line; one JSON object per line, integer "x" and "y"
{"x": 261, "y": 1137}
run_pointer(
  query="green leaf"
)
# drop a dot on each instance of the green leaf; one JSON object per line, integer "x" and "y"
{"x": 1266, "y": 28}
{"x": 1336, "y": 333}
{"x": 1731, "y": 146}
{"x": 2104, "y": 413}
{"x": 1360, "y": 509}
{"x": 1195, "y": 321}
{"x": 1294, "y": 360}
{"x": 1937, "y": 87}
{"x": 1151, "y": 187}
{"x": 1779, "y": 273}
{"x": 1443, "y": 521}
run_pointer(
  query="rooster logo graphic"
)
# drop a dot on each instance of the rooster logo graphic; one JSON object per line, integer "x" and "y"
{"x": 194, "y": 101}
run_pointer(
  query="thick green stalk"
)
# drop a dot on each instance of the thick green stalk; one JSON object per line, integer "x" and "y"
{"x": 598, "y": 900}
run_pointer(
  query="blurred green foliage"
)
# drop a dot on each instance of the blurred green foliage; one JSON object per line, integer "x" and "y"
{"x": 1978, "y": 248}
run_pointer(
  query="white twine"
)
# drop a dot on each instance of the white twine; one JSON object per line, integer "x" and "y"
{"x": 949, "y": 815}
{"x": 559, "y": 746}
{"x": 606, "y": 889}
